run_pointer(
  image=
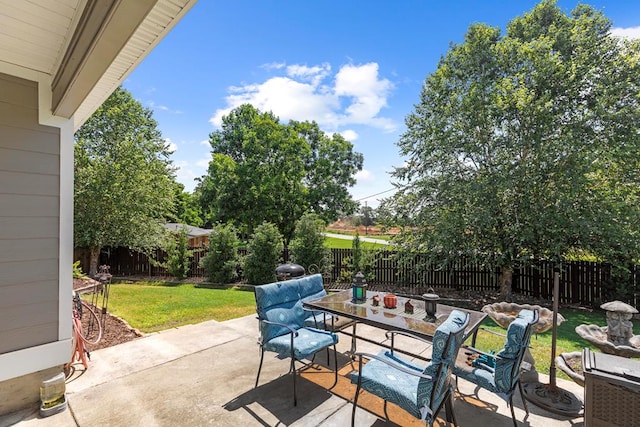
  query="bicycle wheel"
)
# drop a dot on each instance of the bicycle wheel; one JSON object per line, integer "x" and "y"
{"x": 91, "y": 327}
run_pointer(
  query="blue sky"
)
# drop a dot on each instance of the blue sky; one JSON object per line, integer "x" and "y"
{"x": 355, "y": 67}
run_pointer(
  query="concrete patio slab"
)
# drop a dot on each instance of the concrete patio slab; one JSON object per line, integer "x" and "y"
{"x": 204, "y": 374}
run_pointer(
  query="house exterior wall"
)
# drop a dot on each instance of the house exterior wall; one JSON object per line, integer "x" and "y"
{"x": 36, "y": 187}
{"x": 29, "y": 218}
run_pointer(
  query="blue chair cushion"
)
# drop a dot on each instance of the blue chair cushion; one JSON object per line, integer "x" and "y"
{"x": 506, "y": 374}
{"x": 391, "y": 384}
{"x": 410, "y": 392}
{"x": 502, "y": 380}
{"x": 308, "y": 342}
{"x": 278, "y": 302}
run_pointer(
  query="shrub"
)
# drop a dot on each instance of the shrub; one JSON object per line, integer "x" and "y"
{"x": 221, "y": 261}
{"x": 307, "y": 247}
{"x": 178, "y": 254}
{"x": 264, "y": 252}
{"x": 361, "y": 260}
{"x": 77, "y": 271}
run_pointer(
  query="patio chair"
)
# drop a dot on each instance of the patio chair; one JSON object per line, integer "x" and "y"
{"x": 500, "y": 373}
{"x": 281, "y": 320}
{"x": 419, "y": 390}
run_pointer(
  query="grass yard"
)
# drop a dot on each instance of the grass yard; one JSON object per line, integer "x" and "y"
{"x": 335, "y": 243}
{"x": 152, "y": 307}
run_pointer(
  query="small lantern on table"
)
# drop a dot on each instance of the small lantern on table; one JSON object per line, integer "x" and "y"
{"x": 359, "y": 289}
{"x": 430, "y": 304}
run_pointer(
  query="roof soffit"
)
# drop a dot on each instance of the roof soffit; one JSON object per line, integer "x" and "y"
{"x": 103, "y": 30}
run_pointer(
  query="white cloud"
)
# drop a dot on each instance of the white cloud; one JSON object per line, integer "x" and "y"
{"x": 185, "y": 175}
{"x": 204, "y": 161}
{"x": 160, "y": 107}
{"x": 350, "y": 135}
{"x": 205, "y": 142}
{"x": 368, "y": 94}
{"x": 171, "y": 146}
{"x": 627, "y": 33}
{"x": 364, "y": 176}
{"x": 273, "y": 65}
{"x": 355, "y": 95}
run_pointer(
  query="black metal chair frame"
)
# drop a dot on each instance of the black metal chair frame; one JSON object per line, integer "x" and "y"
{"x": 515, "y": 370}
{"x": 292, "y": 369}
{"x": 447, "y": 400}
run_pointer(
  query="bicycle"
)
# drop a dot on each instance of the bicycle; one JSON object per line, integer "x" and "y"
{"x": 87, "y": 329}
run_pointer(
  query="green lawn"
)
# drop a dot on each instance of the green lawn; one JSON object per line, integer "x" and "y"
{"x": 152, "y": 307}
{"x": 335, "y": 243}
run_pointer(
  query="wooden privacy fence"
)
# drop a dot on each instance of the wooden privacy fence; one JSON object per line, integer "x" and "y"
{"x": 581, "y": 282}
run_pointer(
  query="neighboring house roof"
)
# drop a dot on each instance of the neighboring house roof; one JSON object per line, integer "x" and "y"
{"x": 193, "y": 231}
{"x": 84, "y": 49}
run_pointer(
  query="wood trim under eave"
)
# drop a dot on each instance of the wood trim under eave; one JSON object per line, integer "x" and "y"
{"x": 103, "y": 30}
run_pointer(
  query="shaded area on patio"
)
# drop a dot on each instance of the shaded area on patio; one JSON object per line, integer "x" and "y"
{"x": 204, "y": 375}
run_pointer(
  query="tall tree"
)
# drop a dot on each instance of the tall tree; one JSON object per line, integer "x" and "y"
{"x": 263, "y": 170}
{"x": 186, "y": 208}
{"x": 525, "y": 145}
{"x": 124, "y": 182}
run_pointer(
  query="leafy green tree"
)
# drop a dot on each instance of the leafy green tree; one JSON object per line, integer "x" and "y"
{"x": 330, "y": 171}
{"x": 124, "y": 181}
{"x": 221, "y": 261}
{"x": 186, "y": 208}
{"x": 264, "y": 253}
{"x": 525, "y": 145}
{"x": 308, "y": 245}
{"x": 263, "y": 170}
{"x": 179, "y": 255}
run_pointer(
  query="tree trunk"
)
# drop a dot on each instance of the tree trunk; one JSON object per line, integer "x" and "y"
{"x": 94, "y": 255}
{"x": 506, "y": 278}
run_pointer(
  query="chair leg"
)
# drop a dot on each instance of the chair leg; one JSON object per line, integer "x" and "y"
{"x": 450, "y": 413}
{"x": 259, "y": 367}
{"x": 293, "y": 371}
{"x": 355, "y": 398}
{"x": 335, "y": 364}
{"x": 524, "y": 401}
{"x": 513, "y": 413}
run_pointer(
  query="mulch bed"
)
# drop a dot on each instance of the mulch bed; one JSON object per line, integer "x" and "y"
{"x": 115, "y": 330}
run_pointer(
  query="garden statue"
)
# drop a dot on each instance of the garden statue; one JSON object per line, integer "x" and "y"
{"x": 617, "y": 337}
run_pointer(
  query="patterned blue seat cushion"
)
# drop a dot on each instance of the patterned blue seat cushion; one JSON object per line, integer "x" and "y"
{"x": 308, "y": 342}
{"x": 503, "y": 380}
{"x": 411, "y": 392}
{"x": 279, "y": 302}
{"x": 391, "y": 384}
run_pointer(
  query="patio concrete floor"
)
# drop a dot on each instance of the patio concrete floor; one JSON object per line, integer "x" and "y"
{"x": 204, "y": 374}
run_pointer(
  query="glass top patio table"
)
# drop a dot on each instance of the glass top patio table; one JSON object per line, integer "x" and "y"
{"x": 379, "y": 316}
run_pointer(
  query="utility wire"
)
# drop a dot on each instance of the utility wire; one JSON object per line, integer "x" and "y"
{"x": 373, "y": 195}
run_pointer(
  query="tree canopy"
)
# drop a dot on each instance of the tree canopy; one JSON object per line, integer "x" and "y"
{"x": 124, "y": 183}
{"x": 525, "y": 145}
{"x": 263, "y": 170}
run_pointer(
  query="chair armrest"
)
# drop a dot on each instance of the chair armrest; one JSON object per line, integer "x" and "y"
{"x": 393, "y": 365}
{"x": 324, "y": 315}
{"x": 467, "y": 348}
{"x": 291, "y": 330}
{"x": 481, "y": 328}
